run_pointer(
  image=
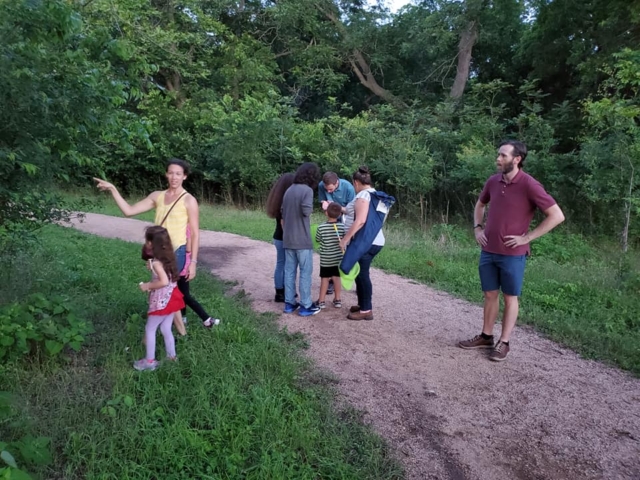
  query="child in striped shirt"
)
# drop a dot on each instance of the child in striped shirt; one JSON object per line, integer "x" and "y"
{"x": 328, "y": 237}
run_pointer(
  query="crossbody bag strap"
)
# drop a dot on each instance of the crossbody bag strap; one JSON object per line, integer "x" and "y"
{"x": 172, "y": 205}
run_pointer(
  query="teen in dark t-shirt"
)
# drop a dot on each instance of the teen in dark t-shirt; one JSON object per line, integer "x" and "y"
{"x": 274, "y": 206}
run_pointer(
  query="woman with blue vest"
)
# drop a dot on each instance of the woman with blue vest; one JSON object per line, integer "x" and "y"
{"x": 364, "y": 239}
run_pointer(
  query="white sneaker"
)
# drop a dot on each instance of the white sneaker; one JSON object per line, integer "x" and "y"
{"x": 210, "y": 322}
{"x": 144, "y": 364}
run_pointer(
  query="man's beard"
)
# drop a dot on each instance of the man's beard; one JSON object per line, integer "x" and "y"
{"x": 508, "y": 168}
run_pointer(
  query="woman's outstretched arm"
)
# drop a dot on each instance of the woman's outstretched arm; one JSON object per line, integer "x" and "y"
{"x": 142, "y": 206}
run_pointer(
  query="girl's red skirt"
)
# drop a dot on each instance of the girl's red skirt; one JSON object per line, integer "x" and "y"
{"x": 176, "y": 302}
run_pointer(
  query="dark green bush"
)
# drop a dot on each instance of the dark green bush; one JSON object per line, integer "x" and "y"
{"x": 27, "y": 450}
{"x": 40, "y": 326}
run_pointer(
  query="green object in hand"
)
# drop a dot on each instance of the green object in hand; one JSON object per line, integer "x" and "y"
{"x": 347, "y": 279}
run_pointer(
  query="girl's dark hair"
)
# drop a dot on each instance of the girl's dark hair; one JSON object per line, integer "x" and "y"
{"x": 186, "y": 168}
{"x": 518, "y": 149}
{"x": 162, "y": 249}
{"x": 362, "y": 175}
{"x": 308, "y": 174}
{"x": 274, "y": 200}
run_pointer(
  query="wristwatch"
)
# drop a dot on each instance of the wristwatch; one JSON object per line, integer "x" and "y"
{"x": 478, "y": 225}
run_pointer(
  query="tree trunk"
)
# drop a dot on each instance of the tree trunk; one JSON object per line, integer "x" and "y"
{"x": 465, "y": 49}
{"x": 359, "y": 64}
{"x": 174, "y": 84}
{"x": 625, "y": 231}
{"x": 362, "y": 70}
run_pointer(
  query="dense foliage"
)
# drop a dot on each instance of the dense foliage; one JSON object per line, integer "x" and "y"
{"x": 246, "y": 90}
{"x": 40, "y": 326}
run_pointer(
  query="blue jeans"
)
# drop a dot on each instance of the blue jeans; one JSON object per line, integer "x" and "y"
{"x": 304, "y": 259}
{"x": 504, "y": 272}
{"x": 278, "y": 274}
{"x": 364, "y": 289}
{"x": 181, "y": 257}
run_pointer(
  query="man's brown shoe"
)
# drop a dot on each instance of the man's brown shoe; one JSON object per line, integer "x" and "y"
{"x": 500, "y": 352}
{"x": 476, "y": 342}
{"x": 360, "y": 316}
{"x": 354, "y": 308}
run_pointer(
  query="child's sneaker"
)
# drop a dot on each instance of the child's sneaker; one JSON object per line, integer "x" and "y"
{"x": 184, "y": 320}
{"x": 210, "y": 322}
{"x": 330, "y": 288}
{"x": 290, "y": 308}
{"x": 144, "y": 364}
{"x": 337, "y": 303}
{"x": 320, "y": 304}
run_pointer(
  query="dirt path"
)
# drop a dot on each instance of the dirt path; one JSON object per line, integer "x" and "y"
{"x": 545, "y": 413}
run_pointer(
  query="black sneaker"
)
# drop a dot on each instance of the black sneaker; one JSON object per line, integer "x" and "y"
{"x": 330, "y": 289}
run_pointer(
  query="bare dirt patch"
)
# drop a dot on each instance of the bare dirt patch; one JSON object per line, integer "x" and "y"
{"x": 545, "y": 413}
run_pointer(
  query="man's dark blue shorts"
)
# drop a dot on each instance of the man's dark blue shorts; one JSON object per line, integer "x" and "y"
{"x": 504, "y": 272}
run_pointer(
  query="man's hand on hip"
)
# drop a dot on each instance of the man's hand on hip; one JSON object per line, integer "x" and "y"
{"x": 481, "y": 238}
{"x": 514, "y": 241}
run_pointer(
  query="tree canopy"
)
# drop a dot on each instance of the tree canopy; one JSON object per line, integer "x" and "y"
{"x": 246, "y": 90}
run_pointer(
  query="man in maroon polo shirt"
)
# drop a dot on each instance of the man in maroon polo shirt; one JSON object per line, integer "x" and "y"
{"x": 514, "y": 197}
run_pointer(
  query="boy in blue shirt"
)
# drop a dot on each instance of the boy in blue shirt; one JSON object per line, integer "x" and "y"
{"x": 334, "y": 189}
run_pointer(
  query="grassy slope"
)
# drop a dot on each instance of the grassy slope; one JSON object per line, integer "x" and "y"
{"x": 240, "y": 403}
{"x": 580, "y": 295}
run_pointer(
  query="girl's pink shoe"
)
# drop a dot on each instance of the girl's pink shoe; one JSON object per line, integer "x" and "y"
{"x": 144, "y": 364}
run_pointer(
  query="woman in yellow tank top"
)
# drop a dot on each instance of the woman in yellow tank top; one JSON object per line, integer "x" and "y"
{"x": 176, "y": 222}
{"x": 184, "y": 213}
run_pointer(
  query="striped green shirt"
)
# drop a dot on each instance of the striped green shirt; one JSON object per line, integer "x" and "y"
{"x": 328, "y": 236}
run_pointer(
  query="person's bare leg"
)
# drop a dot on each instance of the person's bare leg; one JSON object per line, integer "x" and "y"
{"x": 491, "y": 307}
{"x": 509, "y": 317}
{"x": 337, "y": 287}
{"x": 324, "y": 284}
{"x": 179, "y": 324}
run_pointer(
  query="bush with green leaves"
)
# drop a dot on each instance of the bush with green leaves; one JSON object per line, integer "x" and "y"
{"x": 32, "y": 450}
{"x": 60, "y": 109}
{"x": 40, "y": 326}
{"x": 26, "y": 451}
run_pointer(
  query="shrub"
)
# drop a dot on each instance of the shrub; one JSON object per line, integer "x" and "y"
{"x": 27, "y": 450}
{"x": 40, "y": 325}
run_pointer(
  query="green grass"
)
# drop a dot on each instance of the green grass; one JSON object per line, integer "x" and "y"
{"x": 583, "y": 295}
{"x": 241, "y": 402}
